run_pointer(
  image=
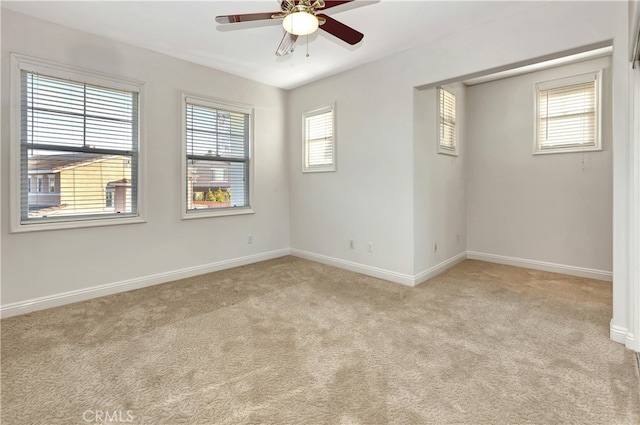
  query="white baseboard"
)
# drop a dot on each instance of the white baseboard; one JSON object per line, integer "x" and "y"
{"x": 630, "y": 342}
{"x": 439, "y": 268}
{"x": 57, "y": 300}
{"x": 401, "y": 278}
{"x": 618, "y": 333}
{"x": 541, "y": 265}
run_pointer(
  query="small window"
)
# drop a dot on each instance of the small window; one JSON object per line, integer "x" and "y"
{"x": 78, "y": 132}
{"x": 447, "y": 134}
{"x": 217, "y": 140}
{"x": 217, "y": 175}
{"x": 568, "y": 114}
{"x": 319, "y": 150}
{"x": 108, "y": 197}
{"x": 52, "y": 183}
{"x": 39, "y": 184}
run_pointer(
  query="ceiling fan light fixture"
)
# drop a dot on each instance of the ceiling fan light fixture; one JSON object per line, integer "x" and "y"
{"x": 300, "y": 23}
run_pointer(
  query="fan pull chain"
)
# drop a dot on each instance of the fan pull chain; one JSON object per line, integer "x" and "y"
{"x": 307, "y": 45}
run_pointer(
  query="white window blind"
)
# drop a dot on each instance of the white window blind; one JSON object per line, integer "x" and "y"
{"x": 446, "y": 122}
{"x": 568, "y": 114}
{"x": 84, "y": 138}
{"x": 217, "y": 156}
{"x": 319, "y": 141}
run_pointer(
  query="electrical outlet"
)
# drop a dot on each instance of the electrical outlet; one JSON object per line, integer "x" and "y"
{"x": 250, "y": 239}
{"x": 370, "y": 246}
{"x": 458, "y": 238}
{"x": 351, "y": 245}
{"x": 435, "y": 247}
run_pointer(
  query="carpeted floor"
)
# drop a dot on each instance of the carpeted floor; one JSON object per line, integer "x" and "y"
{"x": 289, "y": 341}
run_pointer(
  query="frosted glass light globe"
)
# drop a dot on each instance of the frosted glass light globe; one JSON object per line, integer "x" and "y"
{"x": 300, "y": 23}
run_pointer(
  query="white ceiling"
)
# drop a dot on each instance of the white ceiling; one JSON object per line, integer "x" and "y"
{"x": 187, "y": 30}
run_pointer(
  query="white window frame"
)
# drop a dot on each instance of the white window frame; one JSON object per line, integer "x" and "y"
{"x": 213, "y": 103}
{"x": 18, "y": 64}
{"x": 305, "y": 143}
{"x": 444, "y": 148}
{"x": 565, "y": 82}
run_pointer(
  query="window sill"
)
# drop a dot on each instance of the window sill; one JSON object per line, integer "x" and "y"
{"x": 572, "y": 149}
{"x": 204, "y": 213}
{"x": 319, "y": 170}
{"x": 450, "y": 152}
{"x": 76, "y": 224}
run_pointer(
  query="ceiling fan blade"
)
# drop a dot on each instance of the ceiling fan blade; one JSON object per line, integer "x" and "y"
{"x": 248, "y": 17}
{"x": 340, "y": 30}
{"x": 329, "y": 3}
{"x": 287, "y": 44}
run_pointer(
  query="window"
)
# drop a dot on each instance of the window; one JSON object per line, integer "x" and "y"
{"x": 217, "y": 175}
{"x": 447, "y": 135}
{"x": 109, "y": 192}
{"x": 217, "y": 163}
{"x": 80, "y": 130}
{"x": 319, "y": 153}
{"x": 568, "y": 114}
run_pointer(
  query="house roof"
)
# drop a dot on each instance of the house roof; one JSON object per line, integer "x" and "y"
{"x": 120, "y": 183}
{"x": 51, "y": 164}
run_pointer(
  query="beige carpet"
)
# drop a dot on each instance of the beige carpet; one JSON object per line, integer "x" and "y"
{"x": 290, "y": 341}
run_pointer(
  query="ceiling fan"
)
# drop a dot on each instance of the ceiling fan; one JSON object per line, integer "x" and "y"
{"x": 300, "y": 17}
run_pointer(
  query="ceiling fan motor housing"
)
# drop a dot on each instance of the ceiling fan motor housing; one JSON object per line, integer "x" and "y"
{"x": 290, "y": 6}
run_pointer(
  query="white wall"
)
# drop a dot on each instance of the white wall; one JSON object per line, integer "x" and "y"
{"x": 548, "y": 208}
{"x": 369, "y": 198}
{"x": 50, "y": 263}
{"x": 375, "y": 134}
{"x": 633, "y": 335}
{"x": 388, "y": 189}
{"x": 634, "y": 25}
{"x": 440, "y": 211}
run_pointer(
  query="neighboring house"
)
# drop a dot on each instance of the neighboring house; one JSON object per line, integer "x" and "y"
{"x": 205, "y": 176}
{"x": 64, "y": 184}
